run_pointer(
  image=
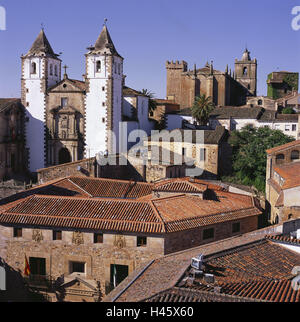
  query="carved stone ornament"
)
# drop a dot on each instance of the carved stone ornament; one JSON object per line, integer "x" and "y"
{"x": 37, "y": 235}
{"x": 78, "y": 238}
{"x": 119, "y": 242}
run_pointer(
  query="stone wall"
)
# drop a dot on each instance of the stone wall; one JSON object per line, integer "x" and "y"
{"x": 98, "y": 258}
{"x": 192, "y": 238}
{"x": 84, "y": 168}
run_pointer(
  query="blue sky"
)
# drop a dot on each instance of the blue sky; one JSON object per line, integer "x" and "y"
{"x": 148, "y": 33}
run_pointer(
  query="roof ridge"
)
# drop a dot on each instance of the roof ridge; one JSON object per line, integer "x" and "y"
{"x": 159, "y": 215}
{"x": 70, "y": 180}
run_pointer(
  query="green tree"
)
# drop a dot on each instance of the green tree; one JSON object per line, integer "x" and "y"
{"x": 201, "y": 109}
{"x": 288, "y": 110}
{"x": 152, "y": 102}
{"x": 249, "y": 153}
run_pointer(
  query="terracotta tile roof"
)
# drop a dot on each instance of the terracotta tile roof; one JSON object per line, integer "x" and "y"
{"x": 290, "y": 173}
{"x": 184, "y": 185}
{"x": 185, "y": 212}
{"x": 165, "y": 273}
{"x": 164, "y": 215}
{"x": 283, "y": 147}
{"x": 108, "y": 188}
{"x": 271, "y": 291}
{"x": 80, "y": 213}
{"x": 181, "y": 295}
{"x": 284, "y": 239}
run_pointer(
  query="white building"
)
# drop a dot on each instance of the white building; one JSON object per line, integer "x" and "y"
{"x": 104, "y": 104}
{"x": 235, "y": 118}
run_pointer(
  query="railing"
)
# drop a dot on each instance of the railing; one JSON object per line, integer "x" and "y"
{"x": 39, "y": 281}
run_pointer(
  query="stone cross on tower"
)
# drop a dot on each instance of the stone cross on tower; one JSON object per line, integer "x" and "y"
{"x": 65, "y": 75}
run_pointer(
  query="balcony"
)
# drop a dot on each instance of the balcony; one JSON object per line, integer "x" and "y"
{"x": 39, "y": 281}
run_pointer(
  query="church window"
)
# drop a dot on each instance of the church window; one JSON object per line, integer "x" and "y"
{"x": 55, "y": 70}
{"x": 119, "y": 69}
{"x": 51, "y": 70}
{"x": 115, "y": 68}
{"x": 33, "y": 68}
{"x": 245, "y": 71}
{"x": 98, "y": 66}
{"x": 57, "y": 235}
{"x": 141, "y": 241}
{"x": 64, "y": 102}
{"x": 98, "y": 238}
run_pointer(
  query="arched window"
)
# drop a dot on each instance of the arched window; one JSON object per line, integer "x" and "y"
{"x": 55, "y": 70}
{"x": 33, "y": 68}
{"x": 259, "y": 102}
{"x": 51, "y": 69}
{"x": 276, "y": 220}
{"x": 98, "y": 66}
{"x": 295, "y": 155}
{"x": 245, "y": 71}
{"x": 279, "y": 158}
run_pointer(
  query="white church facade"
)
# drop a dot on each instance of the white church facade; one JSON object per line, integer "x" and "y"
{"x": 67, "y": 119}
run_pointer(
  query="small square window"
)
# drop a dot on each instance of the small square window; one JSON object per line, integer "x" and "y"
{"x": 17, "y": 232}
{"x": 236, "y": 228}
{"x": 103, "y": 104}
{"x": 141, "y": 241}
{"x": 57, "y": 235}
{"x": 103, "y": 89}
{"x": 77, "y": 267}
{"x": 98, "y": 238}
{"x": 103, "y": 120}
{"x": 208, "y": 233}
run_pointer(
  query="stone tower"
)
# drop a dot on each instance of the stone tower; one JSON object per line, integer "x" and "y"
{"x": 246, "y": 72}
{"x": 174, "y": 79}
{"x": 41, "y": 69}
{"x": 104, "y": 97}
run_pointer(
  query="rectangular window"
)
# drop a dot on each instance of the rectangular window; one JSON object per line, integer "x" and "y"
{"x": 77, "y": 267}
{"x": 98, "y": 238}
{"x": 236, "y": 228}
{"x": 287, "y": 128}
{"x": 294, "y": 127}
{"x": 183, "y": 151}
{"x": 64, "y": 102}
{"x": 208, "y": 233}
{"x": 203, "y": 155}
{"x": 57, "y": 235}
{"x": 37, "y": 266}
{"x": 17, "y": 232}
{"x": 141, "y": 241}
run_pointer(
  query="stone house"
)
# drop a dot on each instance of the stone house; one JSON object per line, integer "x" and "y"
{"x": 208, "y": 150}
{"x": 82, "y": 236}
{"x": 283, "y": 182}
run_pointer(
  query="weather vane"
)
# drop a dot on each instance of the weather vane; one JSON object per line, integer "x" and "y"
{"x": 105, "y": 21}
{"x": 66, "y": 67}
{"x": 43, "y": 26}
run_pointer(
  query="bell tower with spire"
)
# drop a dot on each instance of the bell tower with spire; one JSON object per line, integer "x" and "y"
{"x": 104, "y": 96}
{"x": 246, "y": 72}
{"x": 41, "y": 69}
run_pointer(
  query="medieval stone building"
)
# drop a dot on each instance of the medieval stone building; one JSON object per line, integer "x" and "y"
{"x": 224, "y": 88}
